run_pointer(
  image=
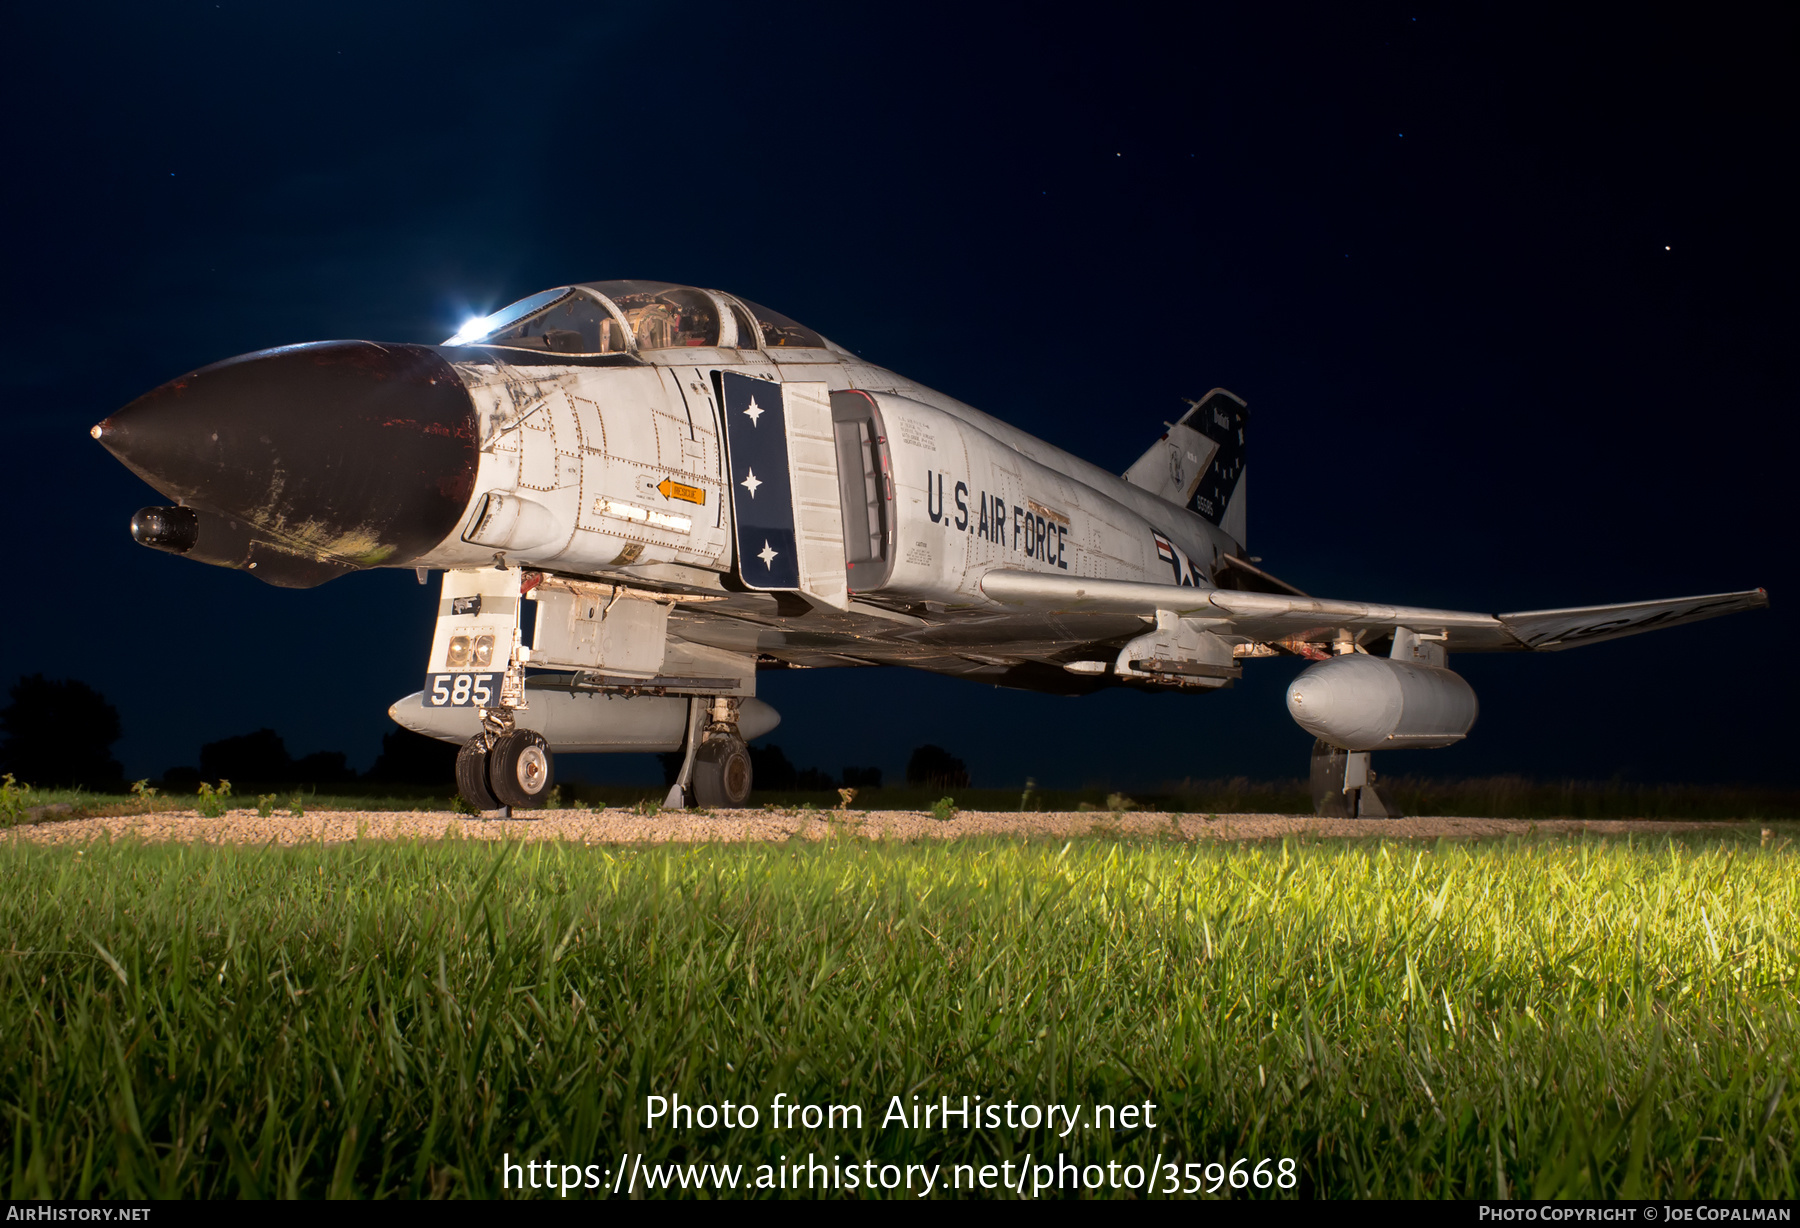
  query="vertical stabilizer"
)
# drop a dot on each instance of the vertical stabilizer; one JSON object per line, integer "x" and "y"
{"x": 1174, "y": 465}
{"x": 1220, "y": 417}
{"x": 1199, "y": 462}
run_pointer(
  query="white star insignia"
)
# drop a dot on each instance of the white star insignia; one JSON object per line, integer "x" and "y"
{"x": 751, "y": 483}
{"x": 754, "y": 412}
{"x": 767, "y": 554}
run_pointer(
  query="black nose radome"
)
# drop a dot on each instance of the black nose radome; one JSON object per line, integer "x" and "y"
{"x": 324, "y": 458}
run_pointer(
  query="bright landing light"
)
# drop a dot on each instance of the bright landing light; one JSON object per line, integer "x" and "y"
{"x": 471, "y": 329}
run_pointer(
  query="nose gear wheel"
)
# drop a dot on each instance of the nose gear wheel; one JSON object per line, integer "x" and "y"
{"x": 521, "y": 769}
{"x": 472, "y": 774}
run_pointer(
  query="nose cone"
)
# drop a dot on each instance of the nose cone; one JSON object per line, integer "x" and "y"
{"x": 340, "y": 454}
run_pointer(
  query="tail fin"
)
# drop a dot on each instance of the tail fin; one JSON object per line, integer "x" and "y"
{"x": 1199, "y": 462}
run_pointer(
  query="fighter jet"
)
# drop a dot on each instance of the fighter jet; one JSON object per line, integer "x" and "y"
{"x": 672, "y": 489}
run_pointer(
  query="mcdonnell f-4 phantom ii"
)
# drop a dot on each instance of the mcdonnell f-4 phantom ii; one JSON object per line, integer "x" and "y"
{"x": 690, "y": 488}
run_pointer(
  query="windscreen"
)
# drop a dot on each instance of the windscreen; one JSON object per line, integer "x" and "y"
{"x": 568, "y": 320}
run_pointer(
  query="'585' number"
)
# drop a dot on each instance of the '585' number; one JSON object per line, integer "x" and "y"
{"x": 460, "y": 690}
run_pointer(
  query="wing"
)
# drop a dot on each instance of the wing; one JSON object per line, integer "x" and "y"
{"x": 1280, "y": 618}
{"x": 1550, "y": 630}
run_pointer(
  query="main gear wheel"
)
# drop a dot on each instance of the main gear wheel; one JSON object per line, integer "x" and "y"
{"x": 722, "y": 774}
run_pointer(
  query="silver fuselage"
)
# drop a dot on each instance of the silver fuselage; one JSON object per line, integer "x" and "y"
{"x": 569, "y": 437}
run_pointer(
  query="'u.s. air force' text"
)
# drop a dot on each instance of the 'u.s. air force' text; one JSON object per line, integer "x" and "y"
{"x": 1037, "y": 532}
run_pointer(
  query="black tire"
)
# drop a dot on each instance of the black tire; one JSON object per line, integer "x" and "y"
{"x": 722, "y": 775}
{"x": 521, "y": 770}
{"x": 472, "y": 775}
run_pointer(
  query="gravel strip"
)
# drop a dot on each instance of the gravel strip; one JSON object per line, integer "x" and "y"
{"x": 695, "y": 827}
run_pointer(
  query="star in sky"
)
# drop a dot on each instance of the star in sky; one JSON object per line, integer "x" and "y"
{"x": 754, "y": 412}
{"x": 751, "y": 483}
{"x": 767, "y": 554}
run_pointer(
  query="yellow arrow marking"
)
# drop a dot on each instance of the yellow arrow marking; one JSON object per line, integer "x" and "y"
{"x": 671, "y": 489}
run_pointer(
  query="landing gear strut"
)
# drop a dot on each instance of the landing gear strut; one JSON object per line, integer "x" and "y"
{"x": 716, "y": 772}
{"x": 1343, "y": 786}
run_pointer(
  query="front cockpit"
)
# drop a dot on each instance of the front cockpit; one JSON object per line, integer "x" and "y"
{"x": 632, "y": 317}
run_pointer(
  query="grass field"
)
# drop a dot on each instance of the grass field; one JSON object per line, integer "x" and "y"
{"x": 1535, "y": 1018}
{"x": 1499, "y": 797}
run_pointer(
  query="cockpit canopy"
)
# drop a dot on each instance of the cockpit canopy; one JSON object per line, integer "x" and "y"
{"x": 621, "y": 317}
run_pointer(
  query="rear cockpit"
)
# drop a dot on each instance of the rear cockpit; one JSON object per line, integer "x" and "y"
{"x": 632, "y": 317}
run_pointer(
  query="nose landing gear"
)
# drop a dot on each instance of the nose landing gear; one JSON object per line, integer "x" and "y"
{"x": 511, "y": 770}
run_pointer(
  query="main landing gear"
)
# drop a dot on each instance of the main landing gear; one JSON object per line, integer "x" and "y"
{"x": 1343, "y": 785}
{"x": 504, "y": 767}
{"x": 715, "y": 775}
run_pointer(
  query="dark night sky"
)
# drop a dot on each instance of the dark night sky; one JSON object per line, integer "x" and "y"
{"x": 1510, "y": 293}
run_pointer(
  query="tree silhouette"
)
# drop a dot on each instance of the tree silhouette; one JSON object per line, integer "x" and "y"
{"x": 413, "y": 758}
{"x": 325, "y": 767}
{"x": 937, "y": 767}
{"x": 60, "y": 734}
{"x": 770, "y": 768}
{"x": 261, "y": 757}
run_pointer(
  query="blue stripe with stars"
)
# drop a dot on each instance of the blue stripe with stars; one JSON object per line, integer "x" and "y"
{"x": 762, "y": 501}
